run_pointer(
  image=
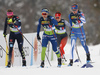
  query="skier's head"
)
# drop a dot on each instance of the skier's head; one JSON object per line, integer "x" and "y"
{"x": 9, "y": 13}
{"x": 44, "y": 12}
{"x": 58, "y": 16}
{"x": 74, "y": 8}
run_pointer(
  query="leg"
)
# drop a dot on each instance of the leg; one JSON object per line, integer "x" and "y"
{"x": 83, "y": 42}
{"x": 53, "y": 41}
{"x": 73, "y": 43}
{"x": 44, "y": 45}
{"x": 58, "y": 42}
{"x": 11, "y": 44}
{"x": 54, "y": 45}
{"x": 20, "y": 46}
{"x": 62, "y": 45}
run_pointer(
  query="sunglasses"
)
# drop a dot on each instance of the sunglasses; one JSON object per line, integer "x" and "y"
{"x": 44, "y": 13}
{"x": 57, "y": 17}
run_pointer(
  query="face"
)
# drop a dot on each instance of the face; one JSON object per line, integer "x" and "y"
{"x": 58, "y": 18}
{"x": 9, "y": 14}
{"x": 75, "y": 11}
{"x": 44, "y": 15}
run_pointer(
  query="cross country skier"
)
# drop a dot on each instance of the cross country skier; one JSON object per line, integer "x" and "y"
{"x": 77, "y": 18}
{"x": 61, "y": 34}
{"x": 13, "y": 21}
{"x": 48, "y": 23}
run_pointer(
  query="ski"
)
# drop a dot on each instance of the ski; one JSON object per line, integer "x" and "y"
{"x": 87, "y": 65}
{"x": 42, "y": 67}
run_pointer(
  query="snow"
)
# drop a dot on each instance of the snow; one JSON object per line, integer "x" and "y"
{"x": 64, "y": 70}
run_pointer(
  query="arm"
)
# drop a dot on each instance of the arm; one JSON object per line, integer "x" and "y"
{"x": 17, "y": 21}
{"x": 38, "y": 27}
{"x": 67, "y": 24}
{"x": 82, "y": 18}
{"x": 5, "y": 27}
{"x": 70, "y": 21}
{"x": 54, "y": 21}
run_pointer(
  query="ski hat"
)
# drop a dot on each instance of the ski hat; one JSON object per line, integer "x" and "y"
{"x": 45, "y": 10}
{"x": 57, "y": 14}
{"x": 74, "y": 7}
{"x": 9, "y": 12}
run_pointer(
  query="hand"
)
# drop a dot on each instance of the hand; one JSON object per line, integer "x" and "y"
{"x": 77, "y": 15}
{"x": 38, "y": 37}
{"x": 70, "y": 35}
{"x": 70, "y": 32}
{"x": 15, "y": 26}
{"x": 4, "y": 34}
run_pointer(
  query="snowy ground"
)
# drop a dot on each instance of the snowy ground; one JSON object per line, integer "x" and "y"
{"x": 64, "y": 70}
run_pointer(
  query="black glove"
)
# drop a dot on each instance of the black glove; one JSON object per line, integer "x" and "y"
{"x": 38, "y": 37}
{"x": 70, "y": 35}
{"x": 77, "y": 15}
{"x": 70, "y": 32}
{"x": 4, "y": 34}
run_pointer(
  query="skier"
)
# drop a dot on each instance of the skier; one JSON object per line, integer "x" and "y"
{"x": 77, "y": 18}
{"x": 48, "y": 22}
{"x": 13, "y": 22}
{"x": 61, "y": 34}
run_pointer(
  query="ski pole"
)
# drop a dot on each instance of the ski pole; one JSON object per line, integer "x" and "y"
{"x": 4, "y": 50}
{"x": 56, "y": 40}
{"x": 45, "y": 54}
{"x": 77, "y": 54}
{"x": 24, "y": 36}
{"x": 6, "y": 42}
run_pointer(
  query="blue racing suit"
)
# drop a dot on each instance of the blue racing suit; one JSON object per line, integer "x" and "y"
{"x": 48, "y": 35}
{"x": 77, "y": 31}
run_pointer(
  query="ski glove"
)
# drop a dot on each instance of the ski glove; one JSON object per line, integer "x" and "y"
{"x": 4, "y": 34}
{"x": 70, "y": 32}
{"x": 38, "y": 37}
{"x": 77, "y": 15}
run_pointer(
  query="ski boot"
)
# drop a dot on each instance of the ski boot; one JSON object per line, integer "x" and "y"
{"x": 71, "y": 62}
{"x": 42, "y": 64}
{"x": 23, "y": 62}
{"x": 88, "y": 58}
{"x": 9, "y": 64}
{"x": 59, "y": 62}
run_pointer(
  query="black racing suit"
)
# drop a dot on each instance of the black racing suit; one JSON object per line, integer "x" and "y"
{"x": 14, "y": 22}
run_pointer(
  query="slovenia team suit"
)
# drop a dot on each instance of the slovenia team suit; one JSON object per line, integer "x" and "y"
{"x": 48, "y": 35}
{"x": 14, "y": 34}
{"x": 78, "y": 31}
{"x": 62, "y": 36}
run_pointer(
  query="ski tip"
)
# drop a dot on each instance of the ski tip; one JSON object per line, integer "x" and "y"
{"x": 87, "y": 66}
{"x": 77, "y": 60}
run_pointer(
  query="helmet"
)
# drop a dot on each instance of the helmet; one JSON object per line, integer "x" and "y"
{"x": 45, "y": 10}
{"x": 74, "y": 6}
